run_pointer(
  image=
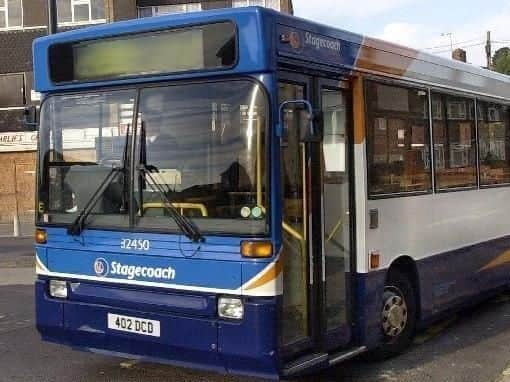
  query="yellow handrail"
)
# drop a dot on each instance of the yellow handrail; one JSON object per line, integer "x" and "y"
{"x": 335, "y": 230}
{"x": 181, "y": 206}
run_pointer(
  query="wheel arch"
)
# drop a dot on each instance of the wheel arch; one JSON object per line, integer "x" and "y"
{"x": 406, "y": 265}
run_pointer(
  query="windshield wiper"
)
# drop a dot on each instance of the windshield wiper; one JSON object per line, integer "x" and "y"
{"x": 78, "y": 224}
{"x": 185, "y": 224}
{"x": 76, "y": 228}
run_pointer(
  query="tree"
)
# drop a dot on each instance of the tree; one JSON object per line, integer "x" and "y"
{"x": 501, "y": 60}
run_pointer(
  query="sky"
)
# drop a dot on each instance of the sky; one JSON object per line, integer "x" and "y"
{"x": 420, "y": 24}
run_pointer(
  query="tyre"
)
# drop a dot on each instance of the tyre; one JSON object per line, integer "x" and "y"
{"x": 398, "y": 316}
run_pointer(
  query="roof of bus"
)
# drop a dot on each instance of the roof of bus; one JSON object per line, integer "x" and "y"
{"x": 369, "y": 55}
{"x": 266, "y": 35}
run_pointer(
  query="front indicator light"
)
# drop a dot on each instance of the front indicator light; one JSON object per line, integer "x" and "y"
{"x": 58, "y": 289}
{"x": 231, "y": 308}
{"x": 41, "y": 237}
{"x": 256, "y": 249}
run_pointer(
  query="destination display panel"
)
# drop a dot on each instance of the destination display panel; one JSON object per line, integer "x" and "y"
{"x": 204, "y": 47}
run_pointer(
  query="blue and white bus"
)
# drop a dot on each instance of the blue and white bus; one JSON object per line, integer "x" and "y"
{"x": 251, "y": 193}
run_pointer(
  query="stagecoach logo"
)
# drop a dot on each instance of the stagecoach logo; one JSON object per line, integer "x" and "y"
{"x": 101, "y": 267}
{"x": 319, "y": 42}
{"x": 295, "y": 40}
{"x": 299, "y": 40}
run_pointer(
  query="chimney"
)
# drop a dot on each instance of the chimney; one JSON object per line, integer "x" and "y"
{"x": 459, "y": 55}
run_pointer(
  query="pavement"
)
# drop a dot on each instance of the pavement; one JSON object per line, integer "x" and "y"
{"x": 473, "y": 346}
{"x": 26, "y": 229}
{"x": 16, "y": 253}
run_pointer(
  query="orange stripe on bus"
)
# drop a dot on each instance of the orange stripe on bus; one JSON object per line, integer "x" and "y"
{"x": 358, "y": 108}
{"x": 504, "y": 258}
{"x": 270, "y": 275}
{"x": 378, "y": 56}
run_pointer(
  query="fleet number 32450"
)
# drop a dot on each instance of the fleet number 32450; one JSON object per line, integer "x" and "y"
{"x": 135, "y": 244}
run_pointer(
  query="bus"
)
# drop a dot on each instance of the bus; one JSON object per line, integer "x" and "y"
{"x": 251, "y": 193}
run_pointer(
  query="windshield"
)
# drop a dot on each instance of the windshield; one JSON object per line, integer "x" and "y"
{"x": 203, "y": 143}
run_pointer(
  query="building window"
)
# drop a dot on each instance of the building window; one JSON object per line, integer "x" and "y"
{"x": 398, "y": 139}
{"x": 454, "y": 141}
{"x": 80, "y": 11}
{"x": 274, "y": 4}
{"x": 169, "y": 9}
{"x": 12, "y": 91}
{"x": 11, "y": 14}
{"x": 494, "y": 141}
{"x": 12, "y": 101}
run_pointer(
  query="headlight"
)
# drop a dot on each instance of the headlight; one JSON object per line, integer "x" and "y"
{"x": 58, "y": 289}
{"x": 231, "y": 308}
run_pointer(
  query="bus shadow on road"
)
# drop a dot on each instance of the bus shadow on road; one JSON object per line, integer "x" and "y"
{"x": 472, "y": 340}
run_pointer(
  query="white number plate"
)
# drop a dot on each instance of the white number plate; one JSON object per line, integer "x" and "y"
{"x": 134, "y": 325}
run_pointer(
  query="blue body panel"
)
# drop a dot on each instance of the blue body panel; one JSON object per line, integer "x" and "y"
{"x": 444, "y": 283}
{"x": 190, "y": 335}
{"x": 460, "y": 277}
{"x": 191, "y": 332}
{"x": 215, "y": 266}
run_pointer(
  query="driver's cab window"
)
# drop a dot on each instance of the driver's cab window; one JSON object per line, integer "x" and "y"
{"x": 83, "y": 138}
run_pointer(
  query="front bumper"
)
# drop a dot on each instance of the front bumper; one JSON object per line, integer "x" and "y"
{"x": 191, "y": 333}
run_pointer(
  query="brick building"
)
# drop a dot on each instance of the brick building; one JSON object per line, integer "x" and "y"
{"x": 21, "y": 21}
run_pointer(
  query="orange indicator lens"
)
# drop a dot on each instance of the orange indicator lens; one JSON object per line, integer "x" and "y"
{"x": 41, "y": 237}
{"x": 256, "y": 249}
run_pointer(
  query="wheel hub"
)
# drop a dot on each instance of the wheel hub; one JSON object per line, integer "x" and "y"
{"x": 394, "y": 314}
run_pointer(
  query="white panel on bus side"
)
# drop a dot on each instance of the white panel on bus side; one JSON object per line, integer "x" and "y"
{"x": 422, "y": 226}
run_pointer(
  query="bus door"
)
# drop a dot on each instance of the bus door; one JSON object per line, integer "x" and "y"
{"x": 333, "y": 182}
{"x": 316, "y": 191}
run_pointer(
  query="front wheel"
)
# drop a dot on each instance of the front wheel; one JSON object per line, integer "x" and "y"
{"x": 398, "y": 316}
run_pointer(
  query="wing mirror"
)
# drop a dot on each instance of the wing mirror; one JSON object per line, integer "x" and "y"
{"x": 304, "y": 113}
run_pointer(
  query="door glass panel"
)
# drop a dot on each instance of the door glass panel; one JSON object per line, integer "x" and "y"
{"x": 295, "y": 251}
{"x": 336, "y": 205}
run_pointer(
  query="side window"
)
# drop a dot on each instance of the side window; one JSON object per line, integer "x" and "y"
{"x": 494, "y": 141}
{"x": 454, "y": 141}
{"x": 398, "y": 139}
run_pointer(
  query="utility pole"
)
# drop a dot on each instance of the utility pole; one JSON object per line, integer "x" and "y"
{"x": 449, "y": 34}
{"x": 488, "y": 50}
{"x": 52, "y": 16}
